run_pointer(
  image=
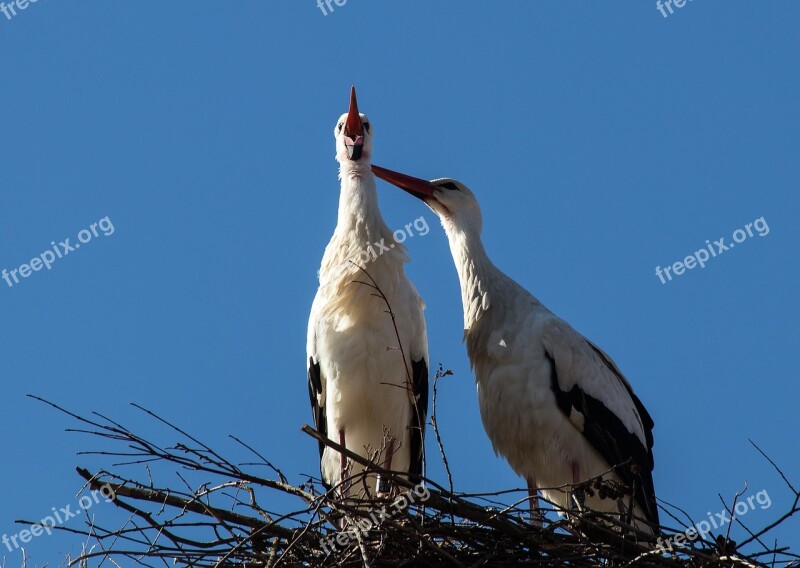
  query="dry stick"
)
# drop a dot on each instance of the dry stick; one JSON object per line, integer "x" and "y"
{"x": 724, "y": 546}
{"x": 780, "y": 472}
{"x": 91, "y": 534}
{"x": 338, "y": 506}
{"x": 463, "y": 508}
{"x": 193, "y": 506}
{"x": 409, "y": 388}
{"x": 453, "y": 542}
{"x": 409, "y": 380}
{"x": 363, "y": 549}
{"x": 142, "y": 514}
{"x": 265, "y": 460}
{"x": 436, "y": 550}
{"x": 732, "y": 511}
{"x": 751, "y": 533}
{"x": 221, "y": 467}
{"x": 673, "y": 517}
{"x": 439, "y": 374}
{"x": 313, "y": 512}
{"x": 794, "y": 508}
{"x": 454, "y": 504}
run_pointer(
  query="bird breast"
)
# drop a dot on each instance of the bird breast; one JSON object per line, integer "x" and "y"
{"x": 359, "y": 349}
{"x": 516, "y": 404}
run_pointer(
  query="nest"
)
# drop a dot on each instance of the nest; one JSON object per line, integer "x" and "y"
{"x": 220, "y": 520}
{"x": 221, "y": 523}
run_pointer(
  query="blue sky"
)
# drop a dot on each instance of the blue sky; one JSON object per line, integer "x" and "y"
{"x": 602, "y": 140}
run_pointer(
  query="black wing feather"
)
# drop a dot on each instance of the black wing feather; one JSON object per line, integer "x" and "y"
{"x": 609, "y": 436}
{"x": 314, "y": 391}
{"x": 419, "y": 415}
{"x": 647, "y": 420}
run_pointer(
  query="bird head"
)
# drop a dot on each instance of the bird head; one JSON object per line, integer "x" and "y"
{"x": 451, "y": 200}
{"x": 353, "y": 134}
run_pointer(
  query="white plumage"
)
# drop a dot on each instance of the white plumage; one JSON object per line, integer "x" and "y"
{"x": 552, "y": 403}
{"x": 363, "y": 393}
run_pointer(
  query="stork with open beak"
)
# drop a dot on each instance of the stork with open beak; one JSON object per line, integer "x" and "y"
{"x": 552, "y": 403}
{"x": 368, "y": 391}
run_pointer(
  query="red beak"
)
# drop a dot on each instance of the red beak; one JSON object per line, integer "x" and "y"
{"x": 419, "y": 188}
{"x": 353, "y": 129}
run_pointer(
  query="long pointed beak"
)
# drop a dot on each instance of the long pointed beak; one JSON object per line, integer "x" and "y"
{"x": 353, "y": 129}
{"x": 419, "y": 188}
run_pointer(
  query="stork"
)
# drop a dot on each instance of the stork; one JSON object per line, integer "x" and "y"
{"x": 553, "y": 404}
{"x": 368, "y": 390}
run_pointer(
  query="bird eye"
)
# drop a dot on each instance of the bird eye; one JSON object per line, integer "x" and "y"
{"x": 339, "y": 126}
{"x": 449, "y": 185}
{"x": 366, "y": 126}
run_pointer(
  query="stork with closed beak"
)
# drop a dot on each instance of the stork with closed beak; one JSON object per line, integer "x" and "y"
{"x": 552, "y": 403}
{"x": 368, "y": 391}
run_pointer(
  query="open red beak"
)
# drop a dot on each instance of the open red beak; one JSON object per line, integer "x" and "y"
{"x": 353, "y": 129}
{"x": 419, "y": 188}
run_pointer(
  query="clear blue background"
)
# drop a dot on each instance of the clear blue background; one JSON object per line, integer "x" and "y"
{"x": 601, "y": 138}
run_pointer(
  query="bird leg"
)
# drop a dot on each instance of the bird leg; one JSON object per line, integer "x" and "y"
{"x": 383, "y": 485}
{"x": 537, "y": 517}
{"x": 578, "y": 493}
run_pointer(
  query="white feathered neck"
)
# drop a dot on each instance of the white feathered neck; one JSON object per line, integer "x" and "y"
{"x": 359, "y": 225}
{"x": 483, "y": 285}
